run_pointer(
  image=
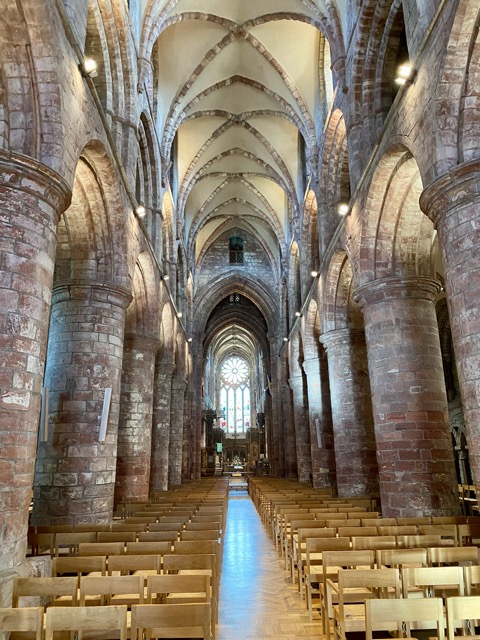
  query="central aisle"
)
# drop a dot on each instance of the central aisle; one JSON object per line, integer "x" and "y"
{"x": 257, "y": 599}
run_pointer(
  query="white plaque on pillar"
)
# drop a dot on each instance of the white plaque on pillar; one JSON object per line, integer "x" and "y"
{"x": 105, "y": 411}
{"x": 319, "y": 434}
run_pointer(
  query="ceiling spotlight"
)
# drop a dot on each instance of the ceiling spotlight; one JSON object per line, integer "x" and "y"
{"x": 166, "y": 276}
{"x": 404, "y": 73}
{"x": 89, "y": 68}
{"x": 141, "y": 211}
{"x": 314, "y": 273}
{"x": 298, "y": 314}
{"x": 343, "y": 208}
{"x": 179, "y": 314}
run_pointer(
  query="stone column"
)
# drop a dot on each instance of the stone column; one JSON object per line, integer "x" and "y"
{"x": 353, "y": 430}
{"x": 414, "y": 448}
{"x": 321, "y": 444}
{"x": 32, "y": 198}
{"x": 176, "y": 431}
{"x": 453, "y": 205}
{"x": 135, "y": 423}
{"x": 289, "y": 442}
{"x": 162, "y": 399}
{"x": 302, "y": 428}
{"x": 274, "y": 431}
{"x": 187, "y": 448}
{"x": 75, "y": 472}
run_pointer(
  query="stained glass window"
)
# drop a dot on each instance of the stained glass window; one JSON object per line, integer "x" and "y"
{"x": 235, "y": 395}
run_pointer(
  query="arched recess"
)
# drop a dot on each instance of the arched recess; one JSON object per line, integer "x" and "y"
{"x": 341, "y": 311}
{"x": 168, "y": 212}
{"x": 29, "y": 78}
{"x": 310, "y": 242}
{"x": 181, "y": 281}
{"x": 143, "y": 313}
{"x": 294, "y": 283}
{"x": 457, "y": 103}
{"x": 334, "y": 178}
{"x": 396, "y": 236}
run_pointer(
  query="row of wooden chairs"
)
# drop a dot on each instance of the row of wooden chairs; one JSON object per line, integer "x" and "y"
{"x": 147, "y": 620}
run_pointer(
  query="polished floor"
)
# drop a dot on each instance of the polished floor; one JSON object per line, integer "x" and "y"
{"x": 257, "y": 599}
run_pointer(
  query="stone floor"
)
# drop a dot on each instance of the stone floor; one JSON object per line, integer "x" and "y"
{"x": 257, "y": 599}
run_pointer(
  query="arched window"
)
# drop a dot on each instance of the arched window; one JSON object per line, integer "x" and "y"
{"x": 235, "y": 249}
{"x": 235, "y": 395}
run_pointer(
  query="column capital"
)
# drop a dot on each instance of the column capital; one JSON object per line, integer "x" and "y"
{"x": 106, "y": 292}
{"x": 29, "y": 176}
{"x": 394, "y": 288}
{"x": 456, "y": 188}
{"x": 341, "y": 337}
{"x": 142, "y": 342}
{"x": 311, "y": 366}
{"x": 293, "y": 381}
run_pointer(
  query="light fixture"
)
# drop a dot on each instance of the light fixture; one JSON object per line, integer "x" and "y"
{"x": 89, "y": 68}
{"x": 166, "y": 276}
{"x": 141, "y": 211}
{"x": 343, "y": 208}
{"x": 298, "y": 314}
{"x": 179, "y": 314}
{"x": 404, "y": 73}
{"x": 314, "y": 273}
{"x": 189, "y": 339}
{"x": 285, "y": 339}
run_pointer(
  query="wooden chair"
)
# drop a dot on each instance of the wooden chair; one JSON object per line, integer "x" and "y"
{"x": 462, "y": 613}
{"x": 311, "y": 569}
{"x": 22, "y": 620}
{"x": 111, "y": 618}
{"x": 171, "y": 621}
{"x": 68, "y": 543}
{"x": 207, "y": 534}
{"x": 350, "y": 616}
{"x": 374, "y": 542}
{"x": 427, "y": 582}
{"x": 117, "y": 536}
{"x": 468, "y": 534}
{"x": 447, "y": 532}
{"x": 107, "y": 590}
{"x": 41, "y": 543}
{"x": 158, "y": 536}
{"x": 81, "y": 565}
{"x": 332, "y": 561}
{"x": 417, "y": 520}
{"x": 56, "y": 590}
{"x": 398, "y": 615}
{"x": 378, "y": 522}
{"x": 176, "y": 589}
{"x": 125, "y": 565}
{"x": 438, "y": 556}
{"x": 101, "y": 548}
{"x": 430, "y": 540}
{"x": 144, "y": 548}
{"x": 398, "y": 530}
{"x": 399, "y": 558}
{"x": 472, "y": 580}
{"x": 299, "y": 540}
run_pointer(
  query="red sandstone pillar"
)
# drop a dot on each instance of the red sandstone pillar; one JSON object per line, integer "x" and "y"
{"x": 321, "y": 429}
{"x": 302, "y": 428}
{"x": 32, "y": 197}
{"x": 135, "y": 423}
{"x": 75, "y": 472}
{"x": 453, "y": 205}
{"x": 274, "y": 425}
{"x": 161, "y": 425}
{"x": 353, "y": 431}
{"x": 289, "y": 442}
{"x": 188, "y": 439}
{"x": 414, "y": 449}
{"x": 176, "y": 431}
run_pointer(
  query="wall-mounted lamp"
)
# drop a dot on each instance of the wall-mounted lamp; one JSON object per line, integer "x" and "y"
{"x": 89, "y": 68}
{"x": 285, "y": 339}
{"x": 179, "y": 314}
{"x": 189, "y": 339}
{"x": 298, "y": 314}
{"x": 343, "y": 208}
{"x": 405, "y": 73}
{"x": 314, "y": 273}
{"x": 165, "y": 277}
{"x": 141, "y": 211}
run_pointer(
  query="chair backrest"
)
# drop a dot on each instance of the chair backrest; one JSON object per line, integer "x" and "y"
{"x": 378, "y": 522}
{"x": 166, "y": 526}
{"x": 398, "y": 530}
{"x": 416, "y": 557}
{"x": 80, "y": 619}
{"x": 200, "y": 546}
{"x": 171, "y": 621}
{"x": 446, "y": 531}
{"x": 189, "y": 562}
{"x": 108, "y": 586}
{"x": 126, "y": 526}
{"x": 69, "y": 542}
{"x": 208, "y": 534}
{"x": 414, "y": 520}
{"x": 101, "y": 548}
{"x": 116, "y": 536}
{"x": 22, "y": 619}
{"x": 382, "y": 582}
{"x": 350, "y": 532}
{"x": 452, "y": 555}
{"x": 373, "y": 542}
{"x": 202, "y": 526}
{"x": 468, "y": 534}
{"x": 398, "y": 614}
{"x": 48, "y": 588}
{"x": 462, "y": 612}
{"x": 427, "y": 540}
{"x": 125, "y": 564}
{"x": 158, "y": 587}
{"x": 79, "y": 565}
{"x": 157, "y": 536}
{"x": 427, "y": 578}
{"x": 144, "y": 548}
